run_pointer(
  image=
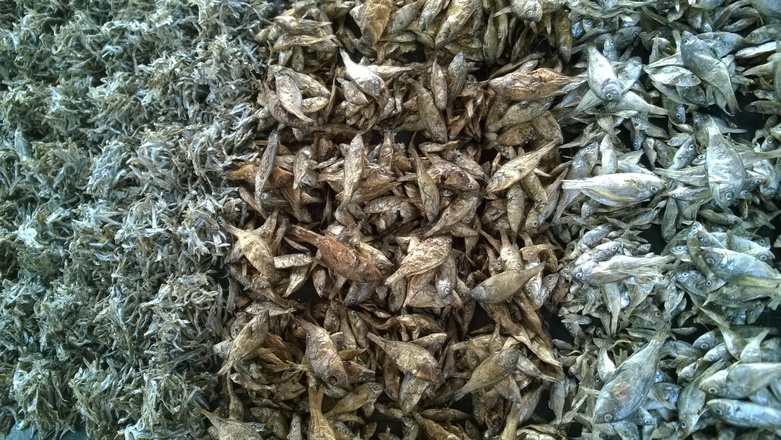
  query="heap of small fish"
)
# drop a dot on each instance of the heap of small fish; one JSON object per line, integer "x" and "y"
{"x": 413, "y": 171}
{"x": 710, "y": 192}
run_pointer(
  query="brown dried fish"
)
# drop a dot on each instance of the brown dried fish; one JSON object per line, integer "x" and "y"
{"x": 411, "y": 358}
{"x": 249, "y": 339}
{"x": 340, "y": 258}
{"x": 322, "y": 357}
{"x": 427, "y": 255}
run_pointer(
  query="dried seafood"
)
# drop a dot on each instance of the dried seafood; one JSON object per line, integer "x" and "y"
{"x": 417, "y": 194}
{"x": 477, "y": 210}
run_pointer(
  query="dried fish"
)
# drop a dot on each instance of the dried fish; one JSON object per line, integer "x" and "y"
{"x": 418, "y": 193}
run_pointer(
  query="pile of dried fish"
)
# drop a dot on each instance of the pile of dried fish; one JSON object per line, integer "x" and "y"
{"x": 411, "y": 187}
{"x": 692, "y": 176}
{"x": 117, "y": 120}
{"x": 403, "y": 242}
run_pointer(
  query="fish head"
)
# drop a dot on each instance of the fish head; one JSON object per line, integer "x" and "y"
{"x": 688, "y": 39}
{"x": 579, "y": 272}
{"x": 375, "y": 389}
{"x": 604, "y": 410}
{"x": 653, "y": 185}
{"x": 336, "y": 375}
{"x": 680, "y": 252}
{"x": 713, "y": 384}
{"x": 611, "y": 90}
{"x": 431, "y": 373}
{"x": 723, "y": 194}
{"x": 684, "y": 276}
{"x": 607, "y": 4}
{"x": 721, "y": 408}
{"x": 679, "y": 114}
{"x": 713, "y": 258}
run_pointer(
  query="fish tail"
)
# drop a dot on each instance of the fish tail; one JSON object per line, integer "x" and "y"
{"x": 732, "y": 102}
{"x": 304, "y": 234}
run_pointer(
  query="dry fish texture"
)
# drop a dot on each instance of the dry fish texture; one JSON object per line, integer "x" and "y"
{"x": 406, "y": 193}
{"x": 367, "y": 219}
{"x": 702, "y": 183}
{"x": 433, "y": 195}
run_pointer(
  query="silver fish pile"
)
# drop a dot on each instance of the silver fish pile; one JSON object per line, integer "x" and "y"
{"x": 663, "y": 342}
{"x": 436, "y": 176}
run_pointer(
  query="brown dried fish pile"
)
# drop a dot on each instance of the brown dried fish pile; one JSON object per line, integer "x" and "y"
{"x": 400, "y": 191}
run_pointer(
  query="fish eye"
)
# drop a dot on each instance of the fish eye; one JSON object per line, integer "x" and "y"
{"x": 578, "y": 275}
{"x": 728, "y": 195}
{"x": 712, "y": 390}
{"x": 711, "y": 261}
{"x": 609, "y": 96}
{"x": 614, "y": 248}
{"x": 679, "y": 115}
{"x": 683, "y": 424}
{"x": 647, "y": 421}
{"x": 704, "y": 346}
{"x": 535, "y": 223}
{"x": 607, "y": 417}
{"x": 654, "y": 189}
{"x": 333, "y": 380}
{"x": 763, "y": 258}
{"x": 717, "y": 411}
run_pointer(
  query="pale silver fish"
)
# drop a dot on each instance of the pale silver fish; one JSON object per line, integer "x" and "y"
{"x": 620, "y": 189}
{"x": 629, "y": 385}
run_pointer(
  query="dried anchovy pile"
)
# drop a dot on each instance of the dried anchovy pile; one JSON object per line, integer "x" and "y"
{"x": 404, "y": 237}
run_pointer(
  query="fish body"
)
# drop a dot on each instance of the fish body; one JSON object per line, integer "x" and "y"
{"x": 740, "y": 268}
{"x": 698, "y": 58}
{"x": 491, "y": 371}
{"x": 518, "y": 168}
{"x": 411, "y": 358}
{"x": 323, "y": 359}
{"x": 727, "y": 177}
{"x": 741, "y": 379}
{"x": 602, "y": 78}
{"x": 630, "y": 383}
{"x": 342, "y": 259}
{"x": 427, "y": 255}
{"x": 503, "y": 286}
{"x": 745, "y": 414}
{"x": 619, "y": 189}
